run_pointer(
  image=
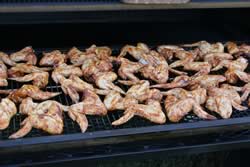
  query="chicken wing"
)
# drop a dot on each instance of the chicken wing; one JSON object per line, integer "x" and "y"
{"x": 215, "y": 58}
{"x": 21, "y": 68}
{"x": 27, "y": 54}
{"x": 168, "y": 51}
{"x": 78, "y": 57}
{"x": 7, "y": 111}
{"x": 128, "y": 69}
{"x": 180, "y": 102}
{"x": 39, "y": 79}
{"x": 206, "y": 81}
{"x": 3, "y": 74}
{"x": 178, "y": 82}
{"x": 30, "y": 91}
{"x": 28, "y": 107}
{"x": 65, "y": 71}
{"x": 234, "y": 69}
{"x": 51, "y": 121}
{"x": 246, "y": 92}
{"x": 91, "y": 105}
{"x": 6, "y": 59}
{"x": 151, "y": 110}
{"x": 54, "y": 58}
{"x": 221, "y": 101}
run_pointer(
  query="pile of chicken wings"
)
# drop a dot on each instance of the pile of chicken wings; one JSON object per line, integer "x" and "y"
{"x": 159, "y": 84}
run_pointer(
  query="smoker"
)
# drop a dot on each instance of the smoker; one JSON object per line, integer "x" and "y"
{"x": 59, "y": 24}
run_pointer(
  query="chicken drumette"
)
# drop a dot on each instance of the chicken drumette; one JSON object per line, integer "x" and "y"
{"x": 180, "y": 102}
{"x": 7, "y": 111}
{"x": 27, "y": 54}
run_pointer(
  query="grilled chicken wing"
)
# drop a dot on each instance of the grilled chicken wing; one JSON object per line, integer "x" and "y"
{"x": 221, "y": 101}
{"x": 105, "y": 81}
{"x": 206, "y": 81}
{"x": 91, "y": 105}
{"x": 180, "y": 102}
{"x": 151, "y": 110}
{"x": 128, "y": 68}
{"x": 39, "y": 79}
{"x": 78, "y": 57}
{"x": 168, "y": 51}
{"x": 246, "y": 92}
{"x": 205, "y": 48}
{"x": 215, "y": 58}
{"x": 54, "y": 58}
{"x": 50, "y": 121}
{"x": 26, "y": 54}
{"x": 235, "y": 69}
{"x": 28, "y": 107}
{"x": 6, "y": 59}
{"x": 178, "y": 82}
{"x": 237, "y": 50}
{"x": 30, "y": 91}
{"x": 73, "y": 85}
{"x": 21, "y": 68}
{"x": 65, "y": 70}
{"x": 3, "y": 74}
{"x": 7, "y": 111}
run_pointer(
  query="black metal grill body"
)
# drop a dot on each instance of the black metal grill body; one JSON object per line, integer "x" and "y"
{"x": 44, "y": 32}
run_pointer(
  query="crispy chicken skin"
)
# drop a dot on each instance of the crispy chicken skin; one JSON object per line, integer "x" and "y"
{"x": 7, "y": 111}
{"x": 39, "y": 79}
{"x": 168, "y": 51}
{"x": 180, "y": 102}
{"x": 221, "y": 101}
{"x": 3, "y": 74}
{"x": 27, "y": 54}
{"x": 51, "y": 121}
{"x": 30, "y": 91}
{"x": 78, "y": 57}
{"x": 6, "y": 59}
{"x": 54, "y": 58}
{"x": 215, "y": 58}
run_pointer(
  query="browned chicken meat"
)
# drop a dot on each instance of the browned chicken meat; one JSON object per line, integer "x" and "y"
{"x": 78, "y": 57}
{"x": 180, "y": 102}
{"x": 155, "y": 66}
{"x": 204, "y": 48}
{"x": 246, "y": 91}
{"x": 151, "y": 110}
{"x": 39, "y": 79}
{"x": 91, "y": 104}
{"x": 21, "y": 68}
{"x": 65, "y": 70}
{"x": 128, "y": 69}
{"x": 54, "y": 58}
{"x": 7, "y": 111}
{"x": 27, "y": 54}
{"x": 28, "y": 107}
{"x": 73, "y": 85}
{"x": 238, "y": 51}
{"x": 51, "y": 121}
{"x": 30, "y": 91}
{"x": 178, "y": 82}
{"x": 168, "y": 51}
{"x": 3, "y": 74}
{"x": 221, "y": 101}
{"x": 6, "y": 59}
{"x": 235, "y": 69}
{"x": 206, "y": 81}
{"x": 215, "y": 58}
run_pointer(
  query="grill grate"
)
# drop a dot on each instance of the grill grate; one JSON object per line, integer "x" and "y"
{"x": 96, "y": 123}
